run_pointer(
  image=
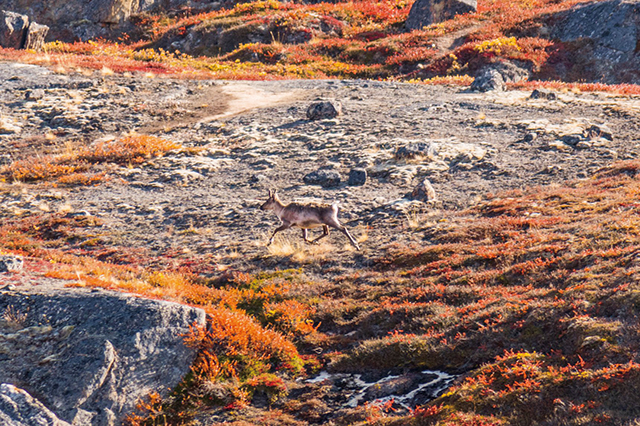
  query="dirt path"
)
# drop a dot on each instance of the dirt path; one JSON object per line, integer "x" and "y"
{"x": 243, "y": 97}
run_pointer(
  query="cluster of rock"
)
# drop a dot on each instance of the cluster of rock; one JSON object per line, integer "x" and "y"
{"x": 495, "y": 76}
{"x": 18, "y": 32}
{"x": 427, "y": 12}
{"x": 88, "y": 355}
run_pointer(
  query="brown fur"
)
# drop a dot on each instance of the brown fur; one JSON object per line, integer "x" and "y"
{"x": 306, "y": 216}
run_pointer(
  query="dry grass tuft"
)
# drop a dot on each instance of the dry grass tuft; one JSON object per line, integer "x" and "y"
{"x": 297, "y": 250}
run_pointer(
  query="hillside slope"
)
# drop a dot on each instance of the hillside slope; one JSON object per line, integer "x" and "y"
{"x": 516, "y": 288}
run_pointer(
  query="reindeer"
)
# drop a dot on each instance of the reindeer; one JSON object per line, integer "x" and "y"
{"x": 306, "y": 216}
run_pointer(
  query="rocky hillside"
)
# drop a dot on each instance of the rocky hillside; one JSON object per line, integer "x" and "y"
{"x": 571, "y": 41}
{"x": 484, "y": 164}
{"x": 151, "y": 185}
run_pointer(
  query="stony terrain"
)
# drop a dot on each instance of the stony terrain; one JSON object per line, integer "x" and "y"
{"x": 252, "y": 136}
{"x": 200, "y": 203}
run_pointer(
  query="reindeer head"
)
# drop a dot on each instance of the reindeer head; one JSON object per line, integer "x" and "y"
{"x": 271, "y": 202}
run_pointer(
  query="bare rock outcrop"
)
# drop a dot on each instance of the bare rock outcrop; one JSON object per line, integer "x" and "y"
{"x": 426, "y": 12}
{"x": 79, "y": 19}
{"x": 72, "y": 20}
{"x": 17, "y": 32}
{"x": 18, "y": 408}
{"x": 90, "y": 355}
{"x": 600, "y": 41}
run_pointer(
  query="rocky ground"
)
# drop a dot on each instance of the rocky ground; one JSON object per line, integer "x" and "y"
{"x": 242, "y": 138}
{"x": 252, "y": 136}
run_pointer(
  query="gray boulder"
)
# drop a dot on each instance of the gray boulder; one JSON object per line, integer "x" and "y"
{"x": 324, "y": 178}
{"x": 90, "y": 355}
{"x": 324, "y": 110}
{"x": 426, "y": 12}
{"x": 488, "y": 80}
{"x": 604, "y": 37}
{"x": 35, "y": 36}
{"x": 18, "y": 408}
{"x": 13, "y": 27}
{"x": 494, "y": 77}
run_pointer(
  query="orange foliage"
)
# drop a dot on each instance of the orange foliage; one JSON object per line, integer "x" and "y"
{"x": 66, "y": 167}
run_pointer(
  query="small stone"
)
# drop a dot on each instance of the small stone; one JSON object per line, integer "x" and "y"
{"x": 424, "y": 192}
{"x": 11, "y": 263}
{"x": 559, "y": 145}
{"x": 5, "y": 159}
{"x": 544, "y": 94}
{"x": 324, "y": 178}
{"x": 258, "y": 178}
{"x": 488, "y": 80}
{"x": 584, "y": 145}
{"x": 7, "y": 127}
{"x": 413, "y": 150}
{"x": 530, "y": 137}
{"x": 34, "y": 94}
{"x": 598, "y": 131}
{"x": 357, "y": 177}
{"x": 324, "y": 110}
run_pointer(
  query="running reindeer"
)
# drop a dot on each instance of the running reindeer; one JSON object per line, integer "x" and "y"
{"x": 306, "y": 216}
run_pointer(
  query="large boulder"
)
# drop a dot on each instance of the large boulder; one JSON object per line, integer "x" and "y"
{"x": 90, "y": 355}
{"x": 495, "y": 76}
{"x": 17, "y": 32}
{"x": 600, "y": 41}
{"x": 13, "y": 27}
{"x": 426, "y": 12}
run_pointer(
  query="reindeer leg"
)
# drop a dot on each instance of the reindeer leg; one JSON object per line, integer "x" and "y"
{"x": 280, "y": 228}
{"x": 304, "y": 236}
{"x": 325, "y": 232}
{"x": 345, "y": 232}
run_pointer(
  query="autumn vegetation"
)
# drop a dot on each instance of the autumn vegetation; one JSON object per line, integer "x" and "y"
{"x": 531, "y": 296}
{"x": 355, "y": 39}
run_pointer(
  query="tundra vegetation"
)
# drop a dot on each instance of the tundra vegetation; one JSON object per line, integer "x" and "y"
{"x": 355, "y": 39}
{"x": 531, "y": 296}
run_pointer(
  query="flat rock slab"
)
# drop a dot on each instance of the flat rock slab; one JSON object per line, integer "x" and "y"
{"x": 90, "y": 355}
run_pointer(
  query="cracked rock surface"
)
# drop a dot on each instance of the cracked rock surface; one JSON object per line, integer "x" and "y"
{"x": 90, "y": 355}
